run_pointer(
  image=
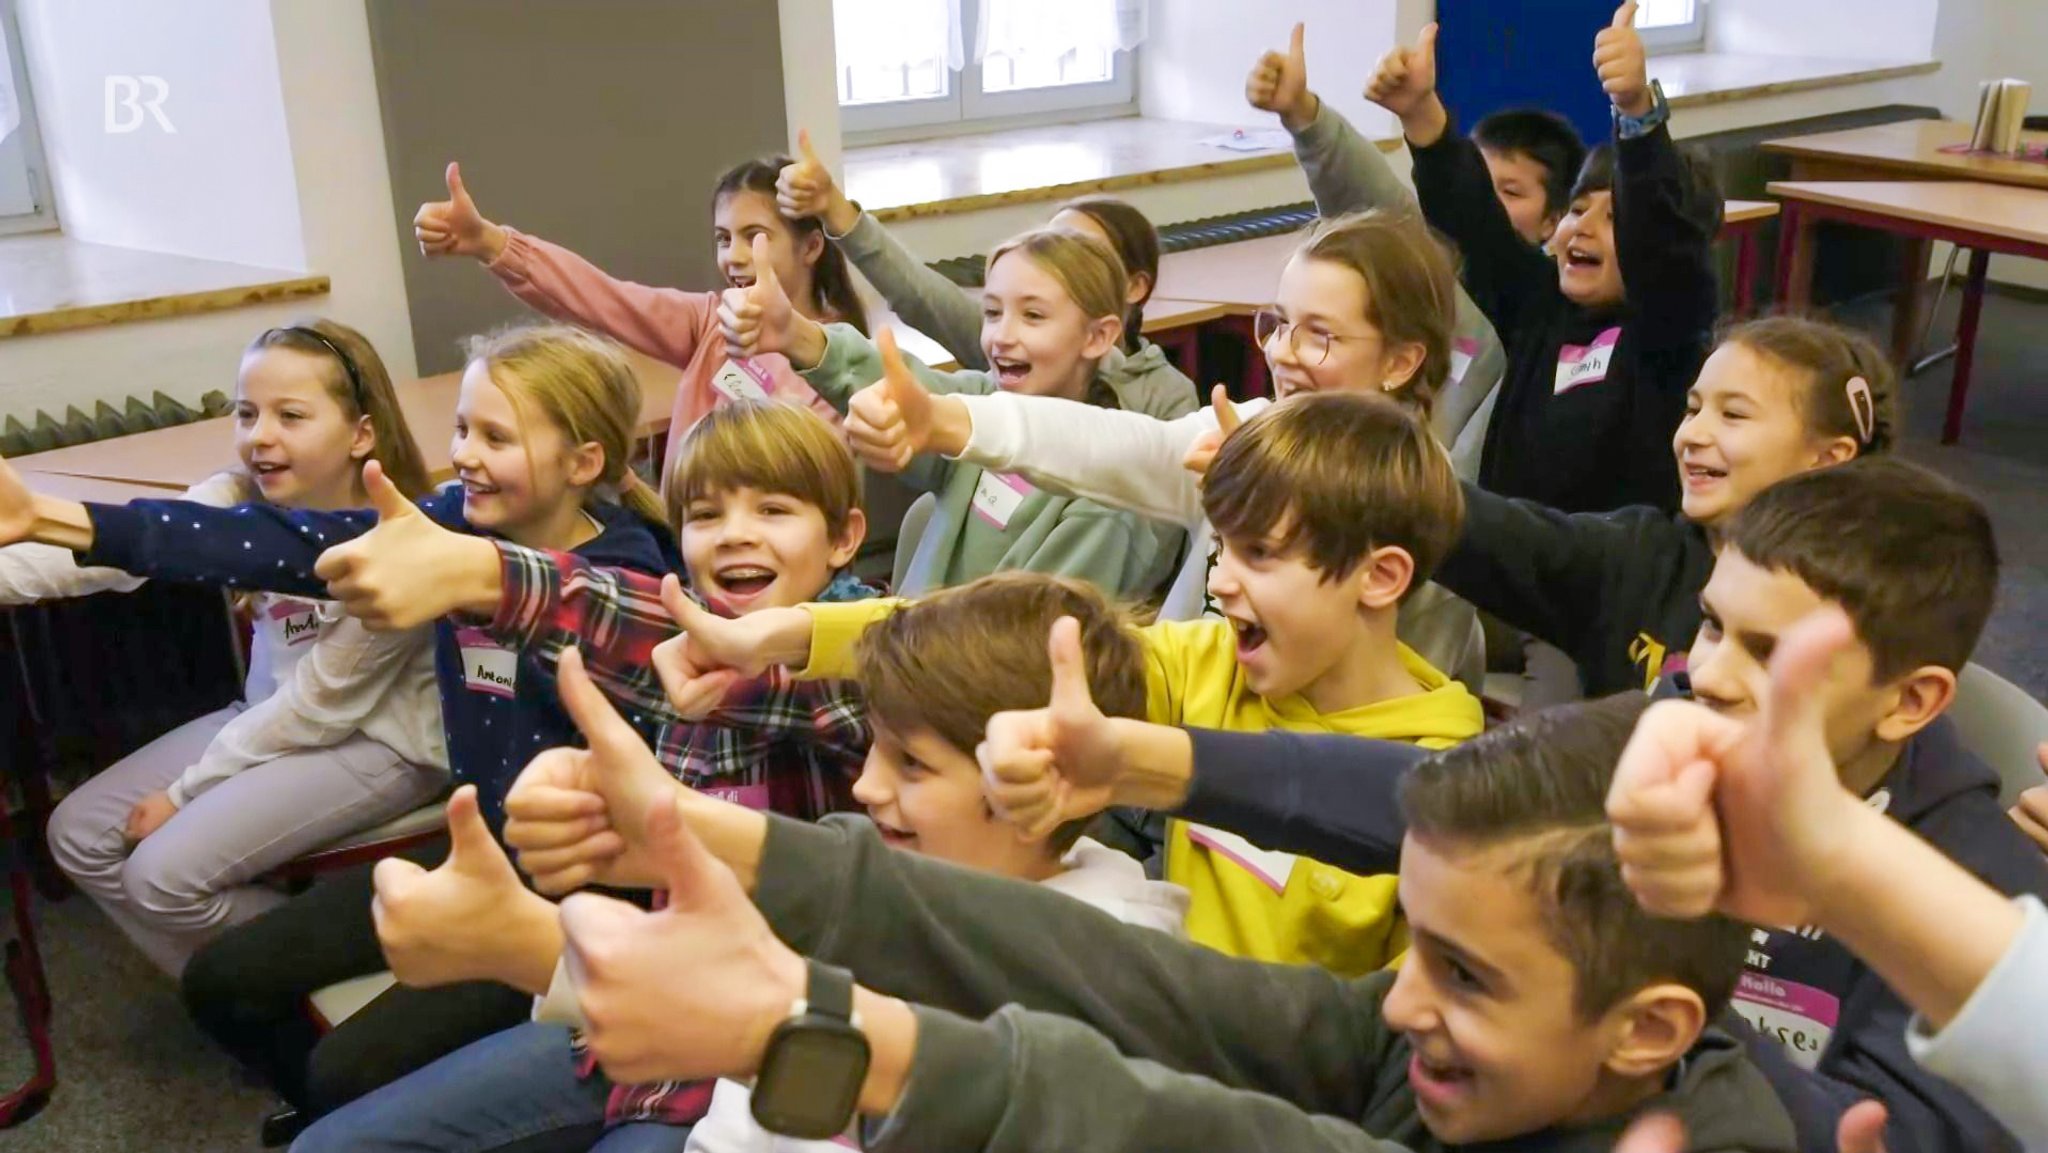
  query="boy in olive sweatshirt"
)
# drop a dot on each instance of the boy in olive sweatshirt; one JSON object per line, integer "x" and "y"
{"x": 1540, "y": 1004}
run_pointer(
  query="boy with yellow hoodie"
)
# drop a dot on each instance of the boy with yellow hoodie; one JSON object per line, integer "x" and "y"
{"x": 1329, "y": 508}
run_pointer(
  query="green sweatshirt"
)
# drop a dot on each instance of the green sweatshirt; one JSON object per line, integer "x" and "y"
{"x": 987, "y": 522}
{"x": 1170, "y": 1046}
{"x": 1347, "y": 173}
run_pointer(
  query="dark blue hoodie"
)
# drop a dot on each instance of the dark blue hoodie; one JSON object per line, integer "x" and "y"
{"x": 498, "y": 706}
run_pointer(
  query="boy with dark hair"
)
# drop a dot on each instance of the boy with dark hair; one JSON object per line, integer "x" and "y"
{"x": 1495, "y": 1030}
{"x": 1329, "y": 508}
{"x": 1534, "y": 157}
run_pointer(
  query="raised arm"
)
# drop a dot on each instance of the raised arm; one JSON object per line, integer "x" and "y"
{"x": 38, "y": 572}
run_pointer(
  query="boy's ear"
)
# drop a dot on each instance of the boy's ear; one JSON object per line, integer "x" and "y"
{"x": 1103, "y": 334}
{"x": 1384, "y": 576}
{"x": 586, "y": 464}
{"x": 847, "y": 545}
{"x": 1923, "y": 694}
{"x": 1402, "y": 362}
{"x": 1653, "y": 1029}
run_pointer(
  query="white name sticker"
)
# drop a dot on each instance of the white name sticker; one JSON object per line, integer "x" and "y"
{"x": 998, "y": 495}
{"x": 1268, "y": 866}
{"x": 1463, "y": 350}
{"x": 1799, "y": 1017}
{"x": 1579, "y": 364}
{"x": 741, "y": 380}
{"x": 299, "y": 621}
{"x": 487, "y": 666}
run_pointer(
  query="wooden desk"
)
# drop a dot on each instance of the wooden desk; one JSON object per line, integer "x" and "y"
{"x": 1173, "y": 324}
{"x": 184, "y": 455}
{"x": 1984, "y": 218}
{"x": 1908, "y": 150}
{"x": 1742, "y": 221}
{"x": 82, "y": 488}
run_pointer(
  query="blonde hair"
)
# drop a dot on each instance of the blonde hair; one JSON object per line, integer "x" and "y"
{"x": 584, "y": 384}
{"x": 1411, "y": 287}
{"x": 357, "y": 380}
{"x": 1089, "y": 270}
{"x": 772, "y": 446}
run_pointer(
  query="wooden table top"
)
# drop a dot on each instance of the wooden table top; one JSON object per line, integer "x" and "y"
{"x": 1747, "y": 211}
{"x": 82, "y": 488}
{"x": 1996, "y": 209}
{"x": 1915, "y": 146}
{"x": 186, "y": 454}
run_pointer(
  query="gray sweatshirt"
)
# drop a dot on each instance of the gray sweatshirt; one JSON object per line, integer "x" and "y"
{"x": 1995, "y": 1049}
{"x": 1046, "y": 1025}
{"x": 1347, "y": 173}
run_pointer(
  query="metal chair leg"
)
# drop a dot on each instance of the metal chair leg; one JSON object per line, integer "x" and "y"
{"x": 1930, "y": 359}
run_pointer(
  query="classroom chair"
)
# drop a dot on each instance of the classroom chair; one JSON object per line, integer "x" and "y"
{"x": 2003, "y": 726}
{"x": 422, "y": 826}
{"x": 29, "y": 983}
{"x": 915, "y": 555}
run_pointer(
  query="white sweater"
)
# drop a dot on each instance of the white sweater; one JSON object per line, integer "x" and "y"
{"x": 1130, "y": 461}
{"x": 315, "y": 675}
{"x": 1995, "y": 1049}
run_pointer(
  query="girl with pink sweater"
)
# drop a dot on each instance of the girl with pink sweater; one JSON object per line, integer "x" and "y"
{"x": 668, "y": 324}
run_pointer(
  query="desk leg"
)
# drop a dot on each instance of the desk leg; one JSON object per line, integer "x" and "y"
{"x": 1909, "y": 314}
{"x": 1966, "y": 344}
{"x": 1795, "y": 258}
{"x": 1745, "y": 270}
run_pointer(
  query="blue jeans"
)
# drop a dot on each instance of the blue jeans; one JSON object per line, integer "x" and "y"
{"x": 512, "y": 1092}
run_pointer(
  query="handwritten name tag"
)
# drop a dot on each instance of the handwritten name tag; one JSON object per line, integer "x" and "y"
{"x": 300, "y": 621}
{"x": 742, "y": 380}
{"x": 1799, "y": 1017}
{"x": 998, "y": 495}
{"x": 1463, "y": 350}
{"x": 1581, "y": 364}
{"x": 487, "y": 666}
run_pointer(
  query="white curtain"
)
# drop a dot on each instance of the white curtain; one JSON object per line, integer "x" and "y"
{"x": 898, "y": 33}
{"x": 1052, "y": 28}
{"x": 10, "y": 105}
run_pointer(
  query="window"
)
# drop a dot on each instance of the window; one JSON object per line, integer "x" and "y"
{"x": 908, "y": 64}
{"x": 25, "y": 204}
{"x": 1672, "y": 25}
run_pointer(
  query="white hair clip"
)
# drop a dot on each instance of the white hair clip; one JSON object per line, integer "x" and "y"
{"x": 1863, "y": 406}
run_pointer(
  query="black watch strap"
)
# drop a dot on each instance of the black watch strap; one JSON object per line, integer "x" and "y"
{"x": 829, "y": 991}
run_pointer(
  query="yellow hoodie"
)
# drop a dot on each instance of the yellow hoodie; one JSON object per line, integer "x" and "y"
{"x": 1244, "y": 900}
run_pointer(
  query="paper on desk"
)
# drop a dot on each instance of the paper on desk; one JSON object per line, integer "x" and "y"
{"x": 1251, "y": 140}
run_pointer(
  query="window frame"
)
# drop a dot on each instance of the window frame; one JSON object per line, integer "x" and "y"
{"x": 966, "y": 108}
{"x": 1675, "y": 38}
{"x": 36, "y": 162}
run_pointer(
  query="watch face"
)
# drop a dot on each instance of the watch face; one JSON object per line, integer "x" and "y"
{"x": 810, "y": 1079}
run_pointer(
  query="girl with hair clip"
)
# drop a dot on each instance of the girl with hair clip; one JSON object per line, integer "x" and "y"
{"x": 934, "y": 305}
{"x": 339, "y": 729}
{"x": 543, "y": 427}
{"x": 673, "y": 325}
{"x": 1051, "y": 320}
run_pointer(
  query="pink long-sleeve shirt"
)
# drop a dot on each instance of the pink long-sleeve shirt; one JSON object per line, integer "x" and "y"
{"x": 668, "y": 324}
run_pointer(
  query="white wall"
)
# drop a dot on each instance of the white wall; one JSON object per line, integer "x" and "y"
{"x": 221, "y": 185}
{"x": 810, "y": 87}
{"x": 300, "y": 185}
{"x": 1845, "y": 29}
{"x": 1200, "y": 50}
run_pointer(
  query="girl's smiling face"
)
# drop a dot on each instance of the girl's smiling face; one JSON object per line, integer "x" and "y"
{"x": 738, "y": 218}
{"x": 1038, "y": 340}
{"x": 293, "y": 437}
{"x": 517, "y": 475}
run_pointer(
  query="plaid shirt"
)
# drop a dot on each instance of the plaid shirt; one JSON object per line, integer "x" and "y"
{"x": 777, "y": 743}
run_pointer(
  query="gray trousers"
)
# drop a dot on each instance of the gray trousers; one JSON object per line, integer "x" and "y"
{"x": 189, "y": 880}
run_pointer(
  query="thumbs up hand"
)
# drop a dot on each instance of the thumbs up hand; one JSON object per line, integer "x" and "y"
{"x": 408, "y": 570}
{"x": 713, "y": 653}
{"x": 806, "y": 188}
{"x": 1405, "y": 85}
{"x": 453, "y": 227}
{"x": 1043, "y": 767}
{"x": 759, "y": 317}
{"x": 1623, "y": 66}
{"x": 1279, "y": 83}
{"x": 575, "y": 816}
{"x": 894, "y": 420}
{"x": 1202, "y": 453}
{"x": 469, "y": 919}
{"x": 707, "y": 958}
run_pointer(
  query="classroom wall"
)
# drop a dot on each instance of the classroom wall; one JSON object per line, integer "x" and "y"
{"x": 1196, "y": 58}
{"x": 302, "y": 187}
{"x": 1843, "y": 29}
{"x": 601, "y": 125}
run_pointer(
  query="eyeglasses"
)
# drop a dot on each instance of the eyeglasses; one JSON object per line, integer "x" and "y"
{"x": 1308, "y": 346}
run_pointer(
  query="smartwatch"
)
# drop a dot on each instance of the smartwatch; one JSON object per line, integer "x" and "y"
{"x": 811, "y": 1073}
{"x": 1630, "y": 127}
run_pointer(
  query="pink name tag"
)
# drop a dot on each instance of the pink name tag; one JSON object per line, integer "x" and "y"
{"x": 1579, "y": 364}
{"x": 1268, "y": 866}
{"x": 1463, "y": 351}
{"x": 746, "y": 796}
{"x": 299, "y": 620}
{"x": 998, "y": 495}
{"x": 487, "y": 666}
{"x": 1799, "y": 1017}
{"x": 743, "y": 380}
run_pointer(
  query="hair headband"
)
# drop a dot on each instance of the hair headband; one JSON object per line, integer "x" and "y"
{"x": 1863, "y": 407}
{"x": 348, "y": 364}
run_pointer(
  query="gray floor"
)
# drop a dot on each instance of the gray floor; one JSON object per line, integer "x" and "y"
{"x": 135, "y": 1076}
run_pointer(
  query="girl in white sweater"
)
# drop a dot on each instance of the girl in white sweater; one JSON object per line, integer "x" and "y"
{"x": 339, "y": 729}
